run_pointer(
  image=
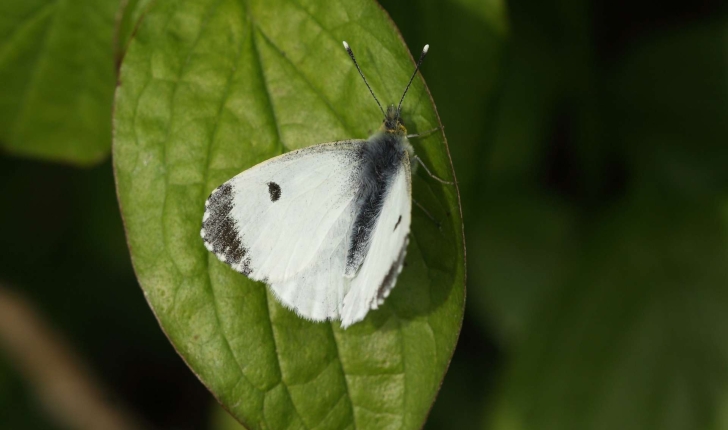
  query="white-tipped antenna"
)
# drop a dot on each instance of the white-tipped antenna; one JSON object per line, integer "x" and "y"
{"x": 351, "y": 54}
{"x": 422, "y": 57}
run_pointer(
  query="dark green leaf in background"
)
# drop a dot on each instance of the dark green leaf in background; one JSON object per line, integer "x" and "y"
{"x": 517, "y": 276}
{"x": 209, "y": 88}
{"x": 638, "y": 338}
{"x": 57, "y": 78}
{"x": 670, "y": 102}
{"x": 631, "y": 334}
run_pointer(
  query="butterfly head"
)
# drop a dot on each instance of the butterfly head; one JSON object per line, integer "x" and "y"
{"x": 392, "y": 122}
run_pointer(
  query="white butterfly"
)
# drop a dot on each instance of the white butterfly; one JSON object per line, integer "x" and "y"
{"x": 326, "y": 227}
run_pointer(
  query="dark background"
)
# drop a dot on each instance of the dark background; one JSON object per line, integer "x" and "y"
{"x": 590, "y": 140}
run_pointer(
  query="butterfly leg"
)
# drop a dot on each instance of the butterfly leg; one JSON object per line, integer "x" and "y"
{"x": 423, "y": 134}
{"x": 429, "y": 215}
{"x": 416, "y": 158}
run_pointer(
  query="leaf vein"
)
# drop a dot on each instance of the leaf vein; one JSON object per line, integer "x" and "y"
{"x": 305, "y": 79}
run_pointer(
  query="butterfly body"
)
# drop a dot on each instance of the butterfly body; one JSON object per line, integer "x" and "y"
{"x": 383, "y": 154}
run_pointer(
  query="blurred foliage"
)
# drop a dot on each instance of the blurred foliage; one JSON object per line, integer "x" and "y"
{"x": 590, "y": 142}
{"x": 57, "y": 78}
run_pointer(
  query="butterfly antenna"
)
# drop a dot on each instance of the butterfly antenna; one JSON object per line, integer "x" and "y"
{"x": 351, "y": 54}
{"x": 422, "y": 57}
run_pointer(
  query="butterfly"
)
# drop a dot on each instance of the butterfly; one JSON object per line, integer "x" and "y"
{"x": 327, "y": 226}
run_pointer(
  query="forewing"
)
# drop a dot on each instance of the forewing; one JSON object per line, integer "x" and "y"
{"x": 385, "y": 257}
{"x": 287, "y": 222}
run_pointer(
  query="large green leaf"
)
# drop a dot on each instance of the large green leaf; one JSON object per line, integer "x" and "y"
{"x": 209, "y": 88}
{"x": 57, "y": 78}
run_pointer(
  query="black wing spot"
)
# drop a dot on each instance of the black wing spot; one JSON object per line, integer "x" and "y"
{"x": 398, "y": 221}
{"x": 274, "y": 190}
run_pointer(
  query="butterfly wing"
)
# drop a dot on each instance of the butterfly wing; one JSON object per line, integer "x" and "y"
{"x": 385, "y": 257}
{"x": 287, "y": 222}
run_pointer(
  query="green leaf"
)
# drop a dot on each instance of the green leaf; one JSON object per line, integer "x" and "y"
{"x": 672, "y": 124}
{"x": 638, "y": 339}
{"x": 493, "y": 12}
{"x": 209, "y": 88}
{"x": 57, "y": 78}
{"x": 528, "y": 246}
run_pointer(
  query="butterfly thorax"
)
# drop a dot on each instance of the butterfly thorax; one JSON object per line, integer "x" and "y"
{"x": 393, "y": 123}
